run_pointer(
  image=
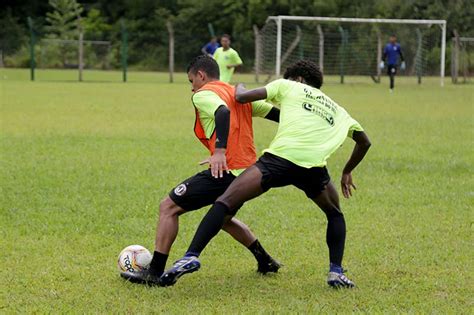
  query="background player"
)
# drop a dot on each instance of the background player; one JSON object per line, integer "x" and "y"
{"x": 227, "y": 59}
{"x": 390, "y": 56}
{"x": 312, "y": 127}
{"x": 210, "y": 47}
{"x": 224, "y": 126}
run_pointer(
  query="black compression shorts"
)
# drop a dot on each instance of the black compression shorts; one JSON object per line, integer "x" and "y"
{"x": 278, "y": 172}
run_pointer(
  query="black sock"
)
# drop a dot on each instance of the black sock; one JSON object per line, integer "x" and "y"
{"x": 259, "y": 252}
{"x": 208, "y": 228}
{"x": 158, "y": 263}
{"x": 336, "y": 237}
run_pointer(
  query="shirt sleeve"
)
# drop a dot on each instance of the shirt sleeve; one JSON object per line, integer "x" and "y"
{"x": 236, "y": 58}
{"x": 355, "y": 126}
{"x": 277, "y": 89}
{"x": 261, "y": 108}
{"x": 207, "y": 102}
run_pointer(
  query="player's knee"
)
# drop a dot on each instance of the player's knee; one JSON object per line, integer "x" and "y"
{"x": 230, "y": 208}
{"x": 168, "y": 207}
{"x": 333, "y": 212}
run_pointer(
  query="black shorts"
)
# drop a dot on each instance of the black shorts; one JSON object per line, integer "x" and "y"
{"x": 278, "y": 172}
{"x": 200, "y": 190}
{"x": 392, "y": 69}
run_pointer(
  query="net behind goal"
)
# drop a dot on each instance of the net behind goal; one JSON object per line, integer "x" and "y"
{"x": 349, "y": 49}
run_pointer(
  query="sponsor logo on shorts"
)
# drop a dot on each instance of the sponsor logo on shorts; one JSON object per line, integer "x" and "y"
{"x": 180, "y": 190}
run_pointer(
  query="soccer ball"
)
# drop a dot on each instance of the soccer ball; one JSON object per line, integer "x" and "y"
{"x": 134, "y": 258}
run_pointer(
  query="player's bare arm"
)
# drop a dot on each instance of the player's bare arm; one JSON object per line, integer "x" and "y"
{"x": 362, "y": 145}
{"x": 243, "y": 95}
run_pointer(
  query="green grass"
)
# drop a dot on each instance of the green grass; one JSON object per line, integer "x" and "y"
{"x": 84, "y": 166}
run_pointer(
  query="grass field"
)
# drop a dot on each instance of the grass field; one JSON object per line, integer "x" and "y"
{"x": 84, "y": 166}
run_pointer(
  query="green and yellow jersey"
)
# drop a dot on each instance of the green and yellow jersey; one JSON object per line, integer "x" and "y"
{"x": 312, "y": 126}
{"x": 225, "y": 58}
{"x": 207, "y": 102}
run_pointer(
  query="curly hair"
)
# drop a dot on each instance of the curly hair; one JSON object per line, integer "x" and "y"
{"x": 206, "y": 64}
{"x": 306, "y": 69}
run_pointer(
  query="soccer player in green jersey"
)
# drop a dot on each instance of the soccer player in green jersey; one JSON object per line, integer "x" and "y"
{"x": 227, "y": 59}
{"x": 312, "y": 127}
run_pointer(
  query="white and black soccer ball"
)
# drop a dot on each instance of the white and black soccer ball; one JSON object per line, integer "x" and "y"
{"x": 134, "y": 258}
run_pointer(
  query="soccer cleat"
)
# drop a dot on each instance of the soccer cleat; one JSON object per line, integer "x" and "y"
{"x": 143, "y": 277}
{"x": 271, "y": 266}
{"x": 187, "y": 264}
{"x": 337, "y": 279}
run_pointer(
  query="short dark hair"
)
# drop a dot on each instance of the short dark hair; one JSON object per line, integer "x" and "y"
{"x": 226, "y": 36}
{"x": 306, "y": 69}
{"x": 206, "y": 64}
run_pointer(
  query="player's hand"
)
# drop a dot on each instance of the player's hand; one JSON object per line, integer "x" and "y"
{"x": 382, "y": 65}
{"x": 218, "y": 163}
{"x": 403, "y": 65}
{"x": 347, "y": 185}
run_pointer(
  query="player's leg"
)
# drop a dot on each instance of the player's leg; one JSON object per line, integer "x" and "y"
{"x": 194, "y": 193}
{"x": 328, "y": 201}
{"x": 392, "y": 71}
{"x": 316, "y": 183}
{"x": 168, "y": 225}
{"x": 242, "y": 233}
{"x": 243, "y": 188}
{"x": 239, "y": 231}
{"x": 166, "y": 232}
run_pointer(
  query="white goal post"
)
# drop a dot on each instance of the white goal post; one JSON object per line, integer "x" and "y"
{"x": 279, "y": 21}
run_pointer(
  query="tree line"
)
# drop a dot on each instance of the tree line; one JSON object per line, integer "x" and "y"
{"x": 194, "y": 21}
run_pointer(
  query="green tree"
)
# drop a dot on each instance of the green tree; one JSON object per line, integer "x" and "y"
{"x": 63, "y": 21}
{"x": 12, "y": 34}
{"x": 95, "y": 25}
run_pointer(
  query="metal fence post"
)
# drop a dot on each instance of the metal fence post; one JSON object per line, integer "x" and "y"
{"x": 32, "y": 49}
{"x": 124, "y": 50}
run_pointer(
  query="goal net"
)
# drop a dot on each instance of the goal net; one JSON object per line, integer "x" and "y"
{"x": 350, "y": 49}
{"x": 462, "y": 58}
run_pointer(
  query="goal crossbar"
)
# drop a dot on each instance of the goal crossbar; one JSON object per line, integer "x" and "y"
{"x": 278, "y": 19}
{"x": 358, "y": 20}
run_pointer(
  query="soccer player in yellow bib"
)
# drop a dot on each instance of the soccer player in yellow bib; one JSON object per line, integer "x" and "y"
{"x": 312, "y": 127}
{"x": 227, "y": 59}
